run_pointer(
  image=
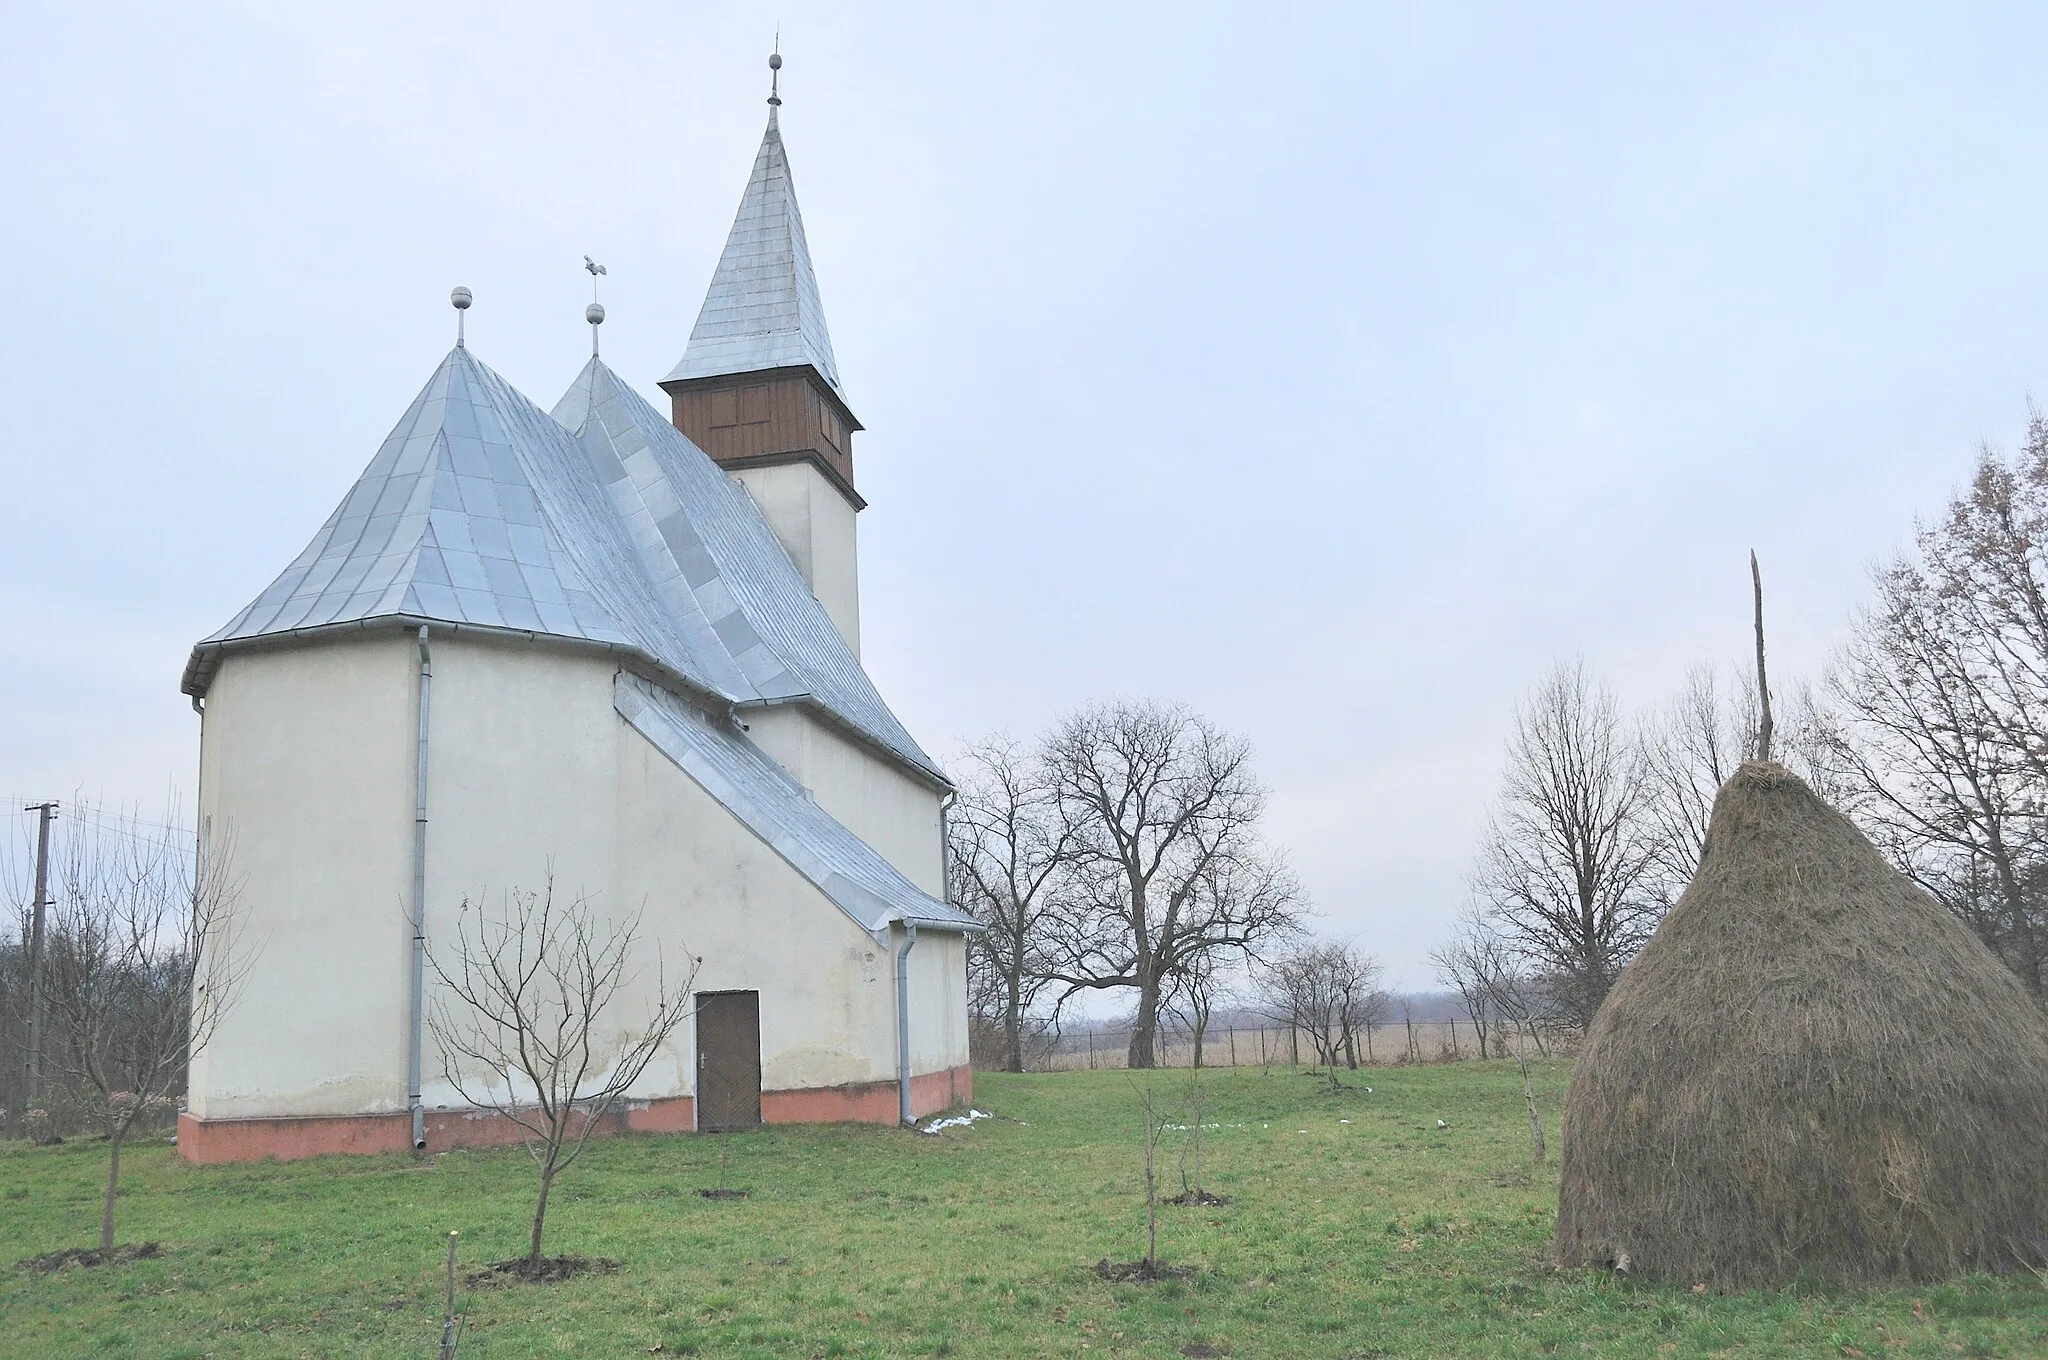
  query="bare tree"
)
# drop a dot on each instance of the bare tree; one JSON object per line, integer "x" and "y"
{"x": 143, "y": 959}
{"x": 1152, "y": 1122}
{"x": 1989, "y": 557}
{"x": 1009, "y": 851}
{"x": 1489, "y": 974}
{"x": 1162, "y": 812}
{"x": 1461, "y": 964}
{"x": 1328, "y": 991}
{"x": 1941, "y": 780}
{"x": 1192, "y": 995}
{"x": 1940, "y": 707}
{"x": 1689, "y": 750}
{"x": 1192, "y": 1191}
{"x": 1568, "y": 868}
{"x": 529, "y": 1024}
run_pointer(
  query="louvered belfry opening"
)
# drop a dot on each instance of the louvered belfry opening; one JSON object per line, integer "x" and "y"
{"x": 756, "y": 419}
{"x": 728, "y": 1061}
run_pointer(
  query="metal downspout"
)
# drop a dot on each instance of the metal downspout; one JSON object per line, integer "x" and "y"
{"x": 419, "y": 905}
{"x": 946, "y": 847}
{"x": 903, "y": 1022}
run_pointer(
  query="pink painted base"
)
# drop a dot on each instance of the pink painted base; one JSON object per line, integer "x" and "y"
{"x": 209, "y": 1141}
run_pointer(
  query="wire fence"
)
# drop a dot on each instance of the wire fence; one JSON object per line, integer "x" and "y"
{"x": 1393, "y": 1044}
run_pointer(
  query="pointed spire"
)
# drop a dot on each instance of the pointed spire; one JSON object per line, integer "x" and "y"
{"x": 762, "y": 310}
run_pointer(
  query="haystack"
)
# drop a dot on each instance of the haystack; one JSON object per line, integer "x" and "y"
{"x": 1812, "y": 1070}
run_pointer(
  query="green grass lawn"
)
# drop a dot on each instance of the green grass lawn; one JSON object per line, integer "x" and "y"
{"x": 1356, "y": 1227}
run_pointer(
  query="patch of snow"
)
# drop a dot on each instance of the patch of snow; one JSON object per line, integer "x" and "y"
{"x": 959, "y": 1121}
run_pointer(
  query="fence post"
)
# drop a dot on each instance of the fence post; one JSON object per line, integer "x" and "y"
{"x": 1233, "y": 1045}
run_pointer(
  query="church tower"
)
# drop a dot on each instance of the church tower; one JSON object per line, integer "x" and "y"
{"x": 758, "y": 390}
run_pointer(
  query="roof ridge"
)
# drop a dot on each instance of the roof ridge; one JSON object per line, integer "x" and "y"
{"x": 737, "y": 567}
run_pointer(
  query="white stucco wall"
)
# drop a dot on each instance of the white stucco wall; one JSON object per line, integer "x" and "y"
{"x": 308, "y": 755}
{"x": 869, "y": 795}
{"x": 827, "y": 1000}
{"x": 816, "y": 526}
{"x": 520, "y": 788}
{"x": 938, "y": 1001}
{"x": 306, "y": 766}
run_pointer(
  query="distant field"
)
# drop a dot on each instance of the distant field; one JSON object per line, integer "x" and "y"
{"x": 1381, "y": 1236}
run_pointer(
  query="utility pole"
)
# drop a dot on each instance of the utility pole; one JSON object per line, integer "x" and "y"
{"x": 35, "y": 947}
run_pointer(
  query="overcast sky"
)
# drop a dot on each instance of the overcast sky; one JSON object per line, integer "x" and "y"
{"x": 1335, "y": 372}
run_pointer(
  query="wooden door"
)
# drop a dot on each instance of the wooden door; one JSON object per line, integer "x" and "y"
{"x": 728, "y": 1061}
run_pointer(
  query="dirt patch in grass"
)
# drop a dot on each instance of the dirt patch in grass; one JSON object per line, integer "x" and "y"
{"x": 1202, "y": 1197}
{"x": 1201, "y": 1350}
{"x": 725, "y": 1194}
{"x": 547, "y": 1270}
{"x": 1140, "y": 1272}
{"x": 91, "y": 1256}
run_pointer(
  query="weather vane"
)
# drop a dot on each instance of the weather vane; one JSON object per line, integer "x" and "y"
{"x": 594, "y": 313}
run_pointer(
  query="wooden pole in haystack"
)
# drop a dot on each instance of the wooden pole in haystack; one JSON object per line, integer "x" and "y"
{"x": 1763, "y": 684}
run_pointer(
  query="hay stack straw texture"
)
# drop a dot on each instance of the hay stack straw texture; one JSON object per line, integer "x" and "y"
{"x": 1812, "y": 1070}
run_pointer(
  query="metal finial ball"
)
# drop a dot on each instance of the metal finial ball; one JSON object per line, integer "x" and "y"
{"x": 594, "y": 313}
{"x": 459, "y": 299}
{"x": 775, "y": 61}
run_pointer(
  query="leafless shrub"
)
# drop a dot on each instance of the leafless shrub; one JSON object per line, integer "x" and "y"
{"x": 1329, "y": 992}
{"x": 528, "y": 1027}
{"x": 1504, "y": 1001}
{"x": 144, "y": 956}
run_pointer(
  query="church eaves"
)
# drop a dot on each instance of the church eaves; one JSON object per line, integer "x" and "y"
{"x": 762, "y": 311}
{"x": 699, "y": 534}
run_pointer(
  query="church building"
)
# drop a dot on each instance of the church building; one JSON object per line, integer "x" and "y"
{"x": 610, "y": 650}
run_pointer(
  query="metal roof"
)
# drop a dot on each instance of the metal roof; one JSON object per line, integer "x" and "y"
{"x": 477, "y": 511}
{"x": 775, "y": 807}
{"x": 482, "y": 511}
{"x": 702, "y": 540}
{"x": 762, "y": 310}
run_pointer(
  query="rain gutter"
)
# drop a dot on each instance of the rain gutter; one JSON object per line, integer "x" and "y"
{"x": 205, "y": 658}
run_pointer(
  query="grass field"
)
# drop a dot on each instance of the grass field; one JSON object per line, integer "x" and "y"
{"x": 1380, "y": 1236}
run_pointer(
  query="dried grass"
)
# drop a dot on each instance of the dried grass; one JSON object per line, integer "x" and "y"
{"x": 1812, "y": 1071}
